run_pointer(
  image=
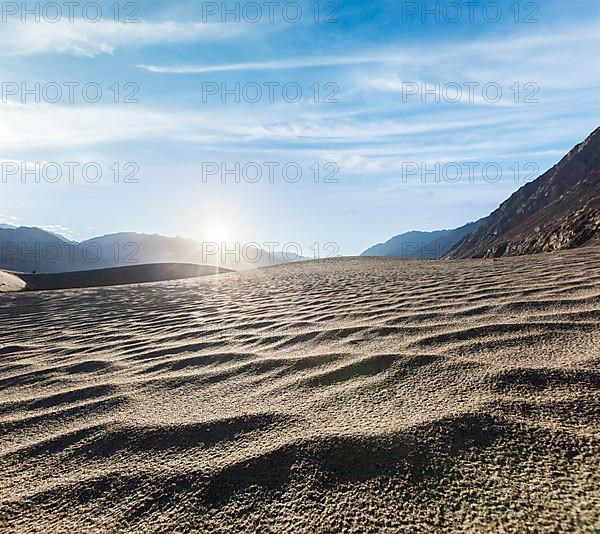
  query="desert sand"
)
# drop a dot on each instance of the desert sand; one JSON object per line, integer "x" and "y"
{"x": 10, "y": 282}
{"x": 360, "y": 394}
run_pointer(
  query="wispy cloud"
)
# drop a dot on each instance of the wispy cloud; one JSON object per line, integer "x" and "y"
{"x": 8, "y": 220}
{"x": 81, "y": 38}
{"x": 31, "y": 125}
{"x": 367, "y": 131}
{"x": 283, "y": 64}
{"x": 484, "y": 59}
{"x": 58, "y": 229}
{"x": 416, "y": 90}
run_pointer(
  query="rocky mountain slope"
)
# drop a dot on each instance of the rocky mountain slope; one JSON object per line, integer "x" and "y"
{"x": 559, "y": 210}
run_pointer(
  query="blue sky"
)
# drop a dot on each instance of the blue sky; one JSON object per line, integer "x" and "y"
{"x": 377, "y": 58}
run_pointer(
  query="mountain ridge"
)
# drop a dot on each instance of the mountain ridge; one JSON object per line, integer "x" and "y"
{"x": 421, "y": 245}
{"x": 558, "y": 210}
{"x": 29, "y": 249}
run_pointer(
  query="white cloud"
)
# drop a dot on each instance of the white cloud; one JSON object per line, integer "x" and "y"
{"x": 416, "y": 91}
{"x": 31, "y": 125}
{"x": 559, "y": 58}
{"x": 81, "y": 38}
{"x": 27, "y": 126}
{"x": 58, "y": 229}
{"x": 8, "y": 220}
{"x": 370, "y": 132}
{"x": 301, "y": 63}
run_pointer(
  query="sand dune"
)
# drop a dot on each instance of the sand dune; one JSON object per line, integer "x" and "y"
{"x": 117, "y": 276}
{"x": 353, "y": 394}
{"x": 10, "y": 282}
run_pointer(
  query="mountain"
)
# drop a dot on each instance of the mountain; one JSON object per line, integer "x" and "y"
{"x": 558, "y": 210}
{"x": 27, "y": 250}
{"x": 155, "y": 248}
{"x": 404, "y": 245}
{"x": 422, "y": 245}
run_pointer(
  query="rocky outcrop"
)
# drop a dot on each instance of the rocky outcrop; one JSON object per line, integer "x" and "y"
{"x": 559, "y": 210}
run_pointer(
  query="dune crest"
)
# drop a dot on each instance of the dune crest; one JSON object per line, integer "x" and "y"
{"x": 117, "y": 276}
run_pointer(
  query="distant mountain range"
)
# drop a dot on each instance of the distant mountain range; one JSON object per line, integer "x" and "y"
{"x": 25, "y": 249}
{"x": 422, "y": 245}
{"x": 558, "y": 210}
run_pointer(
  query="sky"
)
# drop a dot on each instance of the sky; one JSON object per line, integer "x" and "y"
{"x": 342, "y": 122}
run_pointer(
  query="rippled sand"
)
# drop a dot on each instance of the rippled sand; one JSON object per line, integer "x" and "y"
{"x": 352, "y": 394}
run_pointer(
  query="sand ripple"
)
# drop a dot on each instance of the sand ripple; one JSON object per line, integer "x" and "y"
{"x": 354, "y": 394}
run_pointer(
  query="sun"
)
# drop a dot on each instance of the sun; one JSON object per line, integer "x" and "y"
{"x": 217, "y": 232}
